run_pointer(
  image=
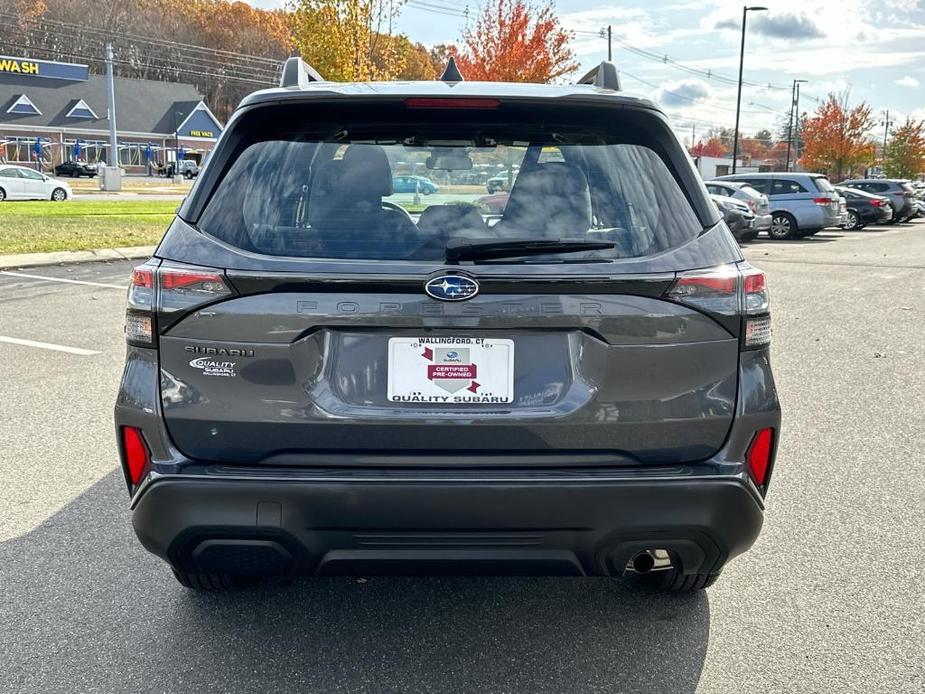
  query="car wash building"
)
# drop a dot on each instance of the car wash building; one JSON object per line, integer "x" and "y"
{"x": 52, "y": 112}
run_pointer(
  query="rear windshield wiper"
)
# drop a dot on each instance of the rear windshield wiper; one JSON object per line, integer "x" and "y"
{"x": 460, "y": 249}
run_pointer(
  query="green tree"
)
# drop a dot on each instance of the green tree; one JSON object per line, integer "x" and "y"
{"x": 904, "y": 156}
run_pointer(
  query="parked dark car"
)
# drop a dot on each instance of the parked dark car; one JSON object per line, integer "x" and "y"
{"x": 738, "y": 217}
{"x": 317, "y": 382}
{"x": 864, "y": 208}
{"x": 900, "y": 193}
{"x": 75, "y": 169}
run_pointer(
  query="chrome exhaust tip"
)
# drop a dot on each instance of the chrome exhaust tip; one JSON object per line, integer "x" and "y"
{"x": 649, "y": 560}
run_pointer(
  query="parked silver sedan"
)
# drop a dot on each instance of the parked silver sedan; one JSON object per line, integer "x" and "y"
{"x": 757, "y": 202}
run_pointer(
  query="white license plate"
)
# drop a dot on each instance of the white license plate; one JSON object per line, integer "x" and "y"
{"x": 451, "y": 370}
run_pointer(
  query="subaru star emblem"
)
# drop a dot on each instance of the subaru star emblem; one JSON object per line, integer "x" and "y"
{"x": 452, "y": 288}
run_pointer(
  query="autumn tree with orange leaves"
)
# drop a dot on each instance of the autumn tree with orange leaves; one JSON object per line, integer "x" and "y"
{"x": 515, "y": 41}
{"x": 836, "y": 138}
{"x": 711, "y": 148}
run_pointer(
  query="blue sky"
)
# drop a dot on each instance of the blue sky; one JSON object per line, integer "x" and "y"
{"x": 874, "y": 48}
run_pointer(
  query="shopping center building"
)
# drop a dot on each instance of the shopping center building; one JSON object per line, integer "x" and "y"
{"x": 64, "y": 108}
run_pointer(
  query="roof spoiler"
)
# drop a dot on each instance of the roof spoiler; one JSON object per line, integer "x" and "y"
{"x": 298, "y": 73}
{"x": 604, "y": 76}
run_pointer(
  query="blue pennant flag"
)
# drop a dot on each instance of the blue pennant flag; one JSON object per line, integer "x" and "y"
{"x": 148, "y": 152}
{"x": 37, "y": 149}
{"x": 77, "y": 149}
{"x": 181, "y": 154}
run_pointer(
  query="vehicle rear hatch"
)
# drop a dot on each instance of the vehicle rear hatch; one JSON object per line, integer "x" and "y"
{"x": 301, "y": 325}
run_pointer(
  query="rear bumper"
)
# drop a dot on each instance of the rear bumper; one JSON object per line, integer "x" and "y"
{"x": 763, "y": 222}
{"x": 281, "y": 522}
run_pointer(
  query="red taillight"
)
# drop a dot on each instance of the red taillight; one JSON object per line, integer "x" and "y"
{"x": 752, "y": 205}
{"x": 142, "y": 277}
{"x": 875, "y": 203}
{"x": 758, "y": 456}
{"x": 137, "y": 458}
{"x": 177, "y": 279}
{"x": 754, "y": 281}
{"x": 823, "y": 201}
{"x": 422, "y": 102}
{"x": 139, "y": 314}
{"x": 692, "y": 284}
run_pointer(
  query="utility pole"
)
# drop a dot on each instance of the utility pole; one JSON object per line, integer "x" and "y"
{"x": 886, "y": 134}
{"x": 735, "y": 140}
{"x": 609, "y": 43}
{"x": 794, "y": 111}
{"x": 112, "y": 175}
{"x": 886, "y": 129}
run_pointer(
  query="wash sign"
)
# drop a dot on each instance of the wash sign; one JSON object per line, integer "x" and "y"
{"x": 44, "y": 68}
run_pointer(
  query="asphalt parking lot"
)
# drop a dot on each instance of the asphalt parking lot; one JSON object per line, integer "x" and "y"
{"x": 830, "y": 599}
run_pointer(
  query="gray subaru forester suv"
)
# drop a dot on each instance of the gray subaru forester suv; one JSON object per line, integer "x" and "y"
{"x": 326, "y": 377}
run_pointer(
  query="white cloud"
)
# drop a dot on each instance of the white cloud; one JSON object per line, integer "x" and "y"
{"x": 907, "y": 81}
{"x": 684, "y": 93}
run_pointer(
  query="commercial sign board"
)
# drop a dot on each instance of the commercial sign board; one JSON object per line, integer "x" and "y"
{"x": 44, "y": 68}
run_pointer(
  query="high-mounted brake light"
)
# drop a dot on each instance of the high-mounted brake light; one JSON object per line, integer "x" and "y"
{"x": 135, "y": 451}
{"x": 451, "y": 103}
{"x": 758, "y": 456}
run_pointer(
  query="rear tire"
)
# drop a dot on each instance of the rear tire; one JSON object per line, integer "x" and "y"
{"x": 2, "y": 195}
{"x": 783, "y": 227}
{"x": 213, "y": 583}
{"x": 58, "y": 195}
{"x": 674, "y": 581}
{"x": 853, "y": 223}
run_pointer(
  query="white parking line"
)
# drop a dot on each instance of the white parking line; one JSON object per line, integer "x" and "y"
{"x": 62, "y": 279}
{"x": 47, "y": 345}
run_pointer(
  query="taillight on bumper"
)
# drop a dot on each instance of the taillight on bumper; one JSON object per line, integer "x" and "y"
{"x": 758, "y": 456}
{"x": 135, "y": 454}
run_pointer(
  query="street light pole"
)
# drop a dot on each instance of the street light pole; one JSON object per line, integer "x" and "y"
{"x": 794, "y": 110}
{"x": 735, "y": 140}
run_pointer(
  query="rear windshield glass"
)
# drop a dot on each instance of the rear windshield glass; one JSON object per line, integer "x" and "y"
{"x": 395, "y": 190}
{"x": 824, "y": 185}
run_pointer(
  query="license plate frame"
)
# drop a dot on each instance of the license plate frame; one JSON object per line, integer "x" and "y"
{"x": 450, "y": 370}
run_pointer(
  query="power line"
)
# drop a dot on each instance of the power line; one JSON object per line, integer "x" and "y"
{"x": 106, "y": 33}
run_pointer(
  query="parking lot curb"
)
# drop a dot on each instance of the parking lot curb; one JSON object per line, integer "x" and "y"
{"x": 8, "y": 262}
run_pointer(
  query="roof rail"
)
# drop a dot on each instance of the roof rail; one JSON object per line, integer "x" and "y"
{"x": 298, "y": 73}
{"x": 604, "y": 76}
{"x": 451, "y": 73}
